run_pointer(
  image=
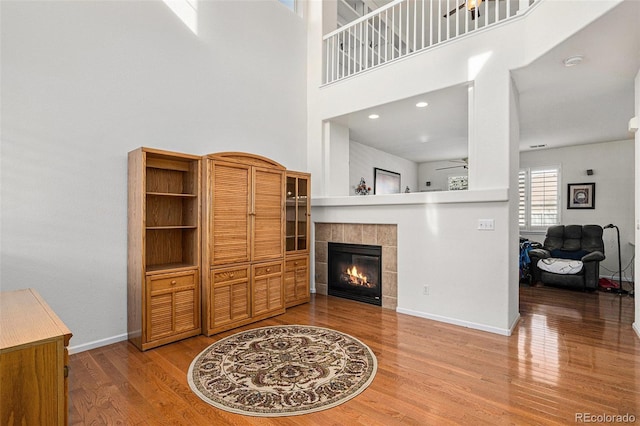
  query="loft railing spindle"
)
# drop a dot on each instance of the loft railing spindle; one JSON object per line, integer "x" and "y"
{"x": 408, "y": 43}
{"x": 334, "y": 58}
{"x": 486, "y": 13}
{"x": 361, "y": 52}
{"x": 466, "y": 22}
{"x": 430, "y": 22}
{"x": 347, "y": 50}
{"x": 366, "y": 45}
{"x": 343, "y": 56}
{"x": 422, "y": 46}
{"x": 415, "y": 26}
{"x": 448, "y": 20}
{"x": 393, "y": 32}
{"x": 458, "y": 24}
{"x": 439, "y": 21}
{"x": 379, "y": 38}
{"x": 400, "y": 30}
{"x": 406, "y": 51}
{"x": 386, "y": 35}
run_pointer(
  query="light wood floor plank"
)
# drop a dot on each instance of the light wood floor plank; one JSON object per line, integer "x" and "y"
{"x": 572, "y": 352}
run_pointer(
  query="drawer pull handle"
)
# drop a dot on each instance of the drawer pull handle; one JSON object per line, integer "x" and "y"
{"x": 268, "y": 269}
{"x": 231, "y": 274}
{"x": 295, "y": 263}
{"x": 174, "y": 282}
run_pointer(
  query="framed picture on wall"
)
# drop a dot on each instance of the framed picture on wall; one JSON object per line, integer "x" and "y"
{"x": 581, "y": 196}
{"x": 385, "y": 182}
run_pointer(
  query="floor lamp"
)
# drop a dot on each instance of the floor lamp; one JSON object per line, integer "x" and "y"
{"x": 620, "y": 290}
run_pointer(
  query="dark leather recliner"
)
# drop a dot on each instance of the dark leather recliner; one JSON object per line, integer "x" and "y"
{"x": 579, "y": 242}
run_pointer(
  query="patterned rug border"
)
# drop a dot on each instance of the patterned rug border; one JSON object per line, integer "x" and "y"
{"x": 215, "y": 404}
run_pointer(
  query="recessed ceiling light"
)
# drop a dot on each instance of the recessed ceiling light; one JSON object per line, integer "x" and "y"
{"x": 374, "y": 116}
{"x": 422, "y": 104}
{"x": 573, "y": 61}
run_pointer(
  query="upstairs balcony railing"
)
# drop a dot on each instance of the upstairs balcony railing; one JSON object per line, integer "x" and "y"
{"x": 404, "y": 27}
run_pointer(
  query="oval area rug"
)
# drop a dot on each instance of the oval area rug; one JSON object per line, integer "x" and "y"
{"x": 282, "y": 371}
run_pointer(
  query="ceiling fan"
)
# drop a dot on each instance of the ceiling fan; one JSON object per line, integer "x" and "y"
{"x": 472, "y": 5}
{"x": 464, "y": 164}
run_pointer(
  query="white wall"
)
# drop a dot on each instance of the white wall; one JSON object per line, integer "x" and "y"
{"x": 613, "y": 173}
{"x": 363, "y": 159}
{"x": 338, "y": 142}
{"x": 437, "y": 173}
{"x": 83, "y": 83}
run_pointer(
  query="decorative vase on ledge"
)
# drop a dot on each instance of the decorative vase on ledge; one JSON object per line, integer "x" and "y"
{"x": 362, "y": 188}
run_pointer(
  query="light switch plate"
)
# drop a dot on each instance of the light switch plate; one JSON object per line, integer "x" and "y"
{"x": 486, "y": 224}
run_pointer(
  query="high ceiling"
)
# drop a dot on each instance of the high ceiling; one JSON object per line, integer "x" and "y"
{"x": 559, "y": 106}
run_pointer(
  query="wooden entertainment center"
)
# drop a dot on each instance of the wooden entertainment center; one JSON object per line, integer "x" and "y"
{"x": 214, "y": 242}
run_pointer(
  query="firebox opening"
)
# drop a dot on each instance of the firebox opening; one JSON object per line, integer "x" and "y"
{"x": 355, "y": 272}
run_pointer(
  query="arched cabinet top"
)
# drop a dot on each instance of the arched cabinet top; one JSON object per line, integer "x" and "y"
{"x": 246, "y": 158}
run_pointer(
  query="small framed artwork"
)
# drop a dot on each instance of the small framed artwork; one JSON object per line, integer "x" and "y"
{"x": 581, "y": 196}
{"x": 385, "y": 182}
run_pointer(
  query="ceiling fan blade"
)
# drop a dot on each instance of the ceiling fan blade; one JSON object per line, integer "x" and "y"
{"x": 452, "y": 11}
{"x": 452, "y": 167}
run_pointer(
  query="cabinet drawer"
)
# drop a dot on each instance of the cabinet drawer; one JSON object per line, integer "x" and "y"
{"x": 227, "y": 275}
{"x": 173, "y": 281}
{"x": 269, "y": 269}
{"x": 296, "y": 263}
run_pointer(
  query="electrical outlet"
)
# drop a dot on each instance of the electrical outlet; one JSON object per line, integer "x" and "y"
{"x": 425, "y": 290}
{"x": 486, "y": 224}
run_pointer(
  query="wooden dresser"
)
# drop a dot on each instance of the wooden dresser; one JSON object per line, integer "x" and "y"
{"x": 33, "y": 361}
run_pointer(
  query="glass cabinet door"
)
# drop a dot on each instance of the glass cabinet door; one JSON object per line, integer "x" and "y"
{"x": 297, "y": 213}
{"x": 290, "y": 213}
{"x": 303, "y": 208}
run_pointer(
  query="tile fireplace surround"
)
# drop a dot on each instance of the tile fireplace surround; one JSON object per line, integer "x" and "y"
{"x": 359, "y": 233}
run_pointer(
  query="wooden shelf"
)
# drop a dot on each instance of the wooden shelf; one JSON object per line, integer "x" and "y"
{"x": 172, "y": 194}
{"x": 169, "y": 267}
{"x": 164, "y": 247}
{"x": 172, "y": 227}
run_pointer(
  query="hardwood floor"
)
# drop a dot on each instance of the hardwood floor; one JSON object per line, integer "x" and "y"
{"x": 571, "y": 353}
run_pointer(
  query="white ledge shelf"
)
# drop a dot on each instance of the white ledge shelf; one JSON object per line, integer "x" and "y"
{"x": 439, "y": 197}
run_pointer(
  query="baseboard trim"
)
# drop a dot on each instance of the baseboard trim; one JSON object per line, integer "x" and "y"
{"x": 624, "y": 279}
{"x": 467, "y": 324}
{"x": 97, "y": 343}
{"x": 636, "y": 328}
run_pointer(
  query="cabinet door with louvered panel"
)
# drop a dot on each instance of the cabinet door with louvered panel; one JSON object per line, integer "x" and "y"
{"x": 229, "y": 239}
{"x": 173, "y": 306}
{"x": 296, "y": 280}
{"x": 230, "y": 298}
{"x": 267, "y": 211}
{"x": 268, "y": 290}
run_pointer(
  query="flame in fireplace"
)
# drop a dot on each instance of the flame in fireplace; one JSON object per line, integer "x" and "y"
{"x": 356, "y": 277}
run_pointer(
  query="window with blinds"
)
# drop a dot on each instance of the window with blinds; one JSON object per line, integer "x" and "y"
{"x": 539, "y": 201}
